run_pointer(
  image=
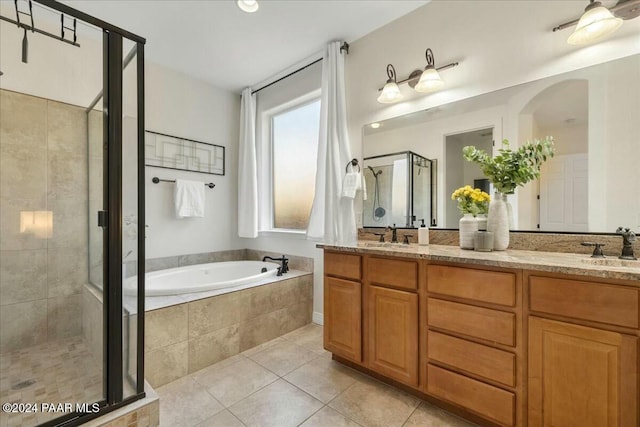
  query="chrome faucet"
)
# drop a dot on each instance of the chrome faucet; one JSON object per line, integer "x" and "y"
{"x": 284, "y": 266}
{"x": 628, "y": 237}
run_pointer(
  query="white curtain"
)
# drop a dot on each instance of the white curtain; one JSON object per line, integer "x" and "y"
{"x": 247, "y": 168}
{"x": 332, "y": 218}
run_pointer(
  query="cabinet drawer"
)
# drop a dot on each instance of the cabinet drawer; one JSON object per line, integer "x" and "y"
{"x": 479, "y": 285}
{"x": 488, "y": 401}
{"x": 393, "y": 272}
{"x": 597, "y": 302}
{"x": 342, "y": 265}
{"x": 478, "y": 359}
{"x": 491, "y": 325}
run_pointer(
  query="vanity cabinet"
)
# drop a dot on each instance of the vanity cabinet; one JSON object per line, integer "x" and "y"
{"x": 583, "y": 358}
{"x": 581, "y": 376}
{"x": 501, "y": 346}
{"x": 392, "y": 323}
{"x": 391, "y": 317}
{"x": 343, "y": 306}
{"x": 474, "y": 340}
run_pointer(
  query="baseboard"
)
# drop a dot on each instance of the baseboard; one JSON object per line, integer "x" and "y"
{"x": 318, "y": 318}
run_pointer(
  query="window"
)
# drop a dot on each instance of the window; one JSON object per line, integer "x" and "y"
{"x": 294, "y": 153}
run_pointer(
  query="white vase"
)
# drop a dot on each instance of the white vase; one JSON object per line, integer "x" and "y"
{"x": 498, "y": 221}
{"x": 482, "y": 222}
{"x": 468, "y": 226}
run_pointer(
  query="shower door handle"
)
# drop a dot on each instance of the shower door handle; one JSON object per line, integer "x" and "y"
{"x": 102, "y": 219}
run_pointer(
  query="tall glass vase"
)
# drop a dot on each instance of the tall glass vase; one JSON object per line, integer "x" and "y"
{"x": 498, "y": 221}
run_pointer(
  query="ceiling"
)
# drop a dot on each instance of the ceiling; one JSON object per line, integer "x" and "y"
{"x": 215, "y": 41}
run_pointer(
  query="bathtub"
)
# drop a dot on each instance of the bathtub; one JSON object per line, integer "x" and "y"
{"x": 201, "y": 277}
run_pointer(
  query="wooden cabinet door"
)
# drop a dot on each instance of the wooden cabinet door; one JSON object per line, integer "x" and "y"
{"x": 392, "y": 322}
{"x": 343, "y": 318}
{"x": 581, "y": 376}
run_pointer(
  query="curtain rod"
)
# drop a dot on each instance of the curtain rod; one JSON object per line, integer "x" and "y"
{"x": 343, "y": 47}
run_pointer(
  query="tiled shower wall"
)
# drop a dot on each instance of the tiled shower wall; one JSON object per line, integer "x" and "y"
{"x": 43, "y": 167}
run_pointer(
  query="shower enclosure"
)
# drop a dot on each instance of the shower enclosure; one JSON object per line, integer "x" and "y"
{"x": 400, "y": 190}
{"x": 71, "y": 199}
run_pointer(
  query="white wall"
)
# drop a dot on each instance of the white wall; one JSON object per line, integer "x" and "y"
{"x": 185, "y": 107}
{"x": 55, "y": 70}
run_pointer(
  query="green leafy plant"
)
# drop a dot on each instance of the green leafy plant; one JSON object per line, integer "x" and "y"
{"x": 511, "y": 169}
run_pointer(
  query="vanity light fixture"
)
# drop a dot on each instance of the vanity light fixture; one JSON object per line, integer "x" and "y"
{"x": 390, "y": 91}
{"x": 248, "y": 6}
{"x": 598, "y": 22}
{"x": 424, "y": 81}
{"x": 430, "y": 80}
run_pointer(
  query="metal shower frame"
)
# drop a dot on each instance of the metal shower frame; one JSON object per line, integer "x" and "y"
{"x": 112, "y": 218}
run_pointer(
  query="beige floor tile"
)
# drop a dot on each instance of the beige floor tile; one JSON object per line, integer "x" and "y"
{"x": 261, "y": 347}
{"x": 201, "y": 375}
{"x": 283, "y": 357}
{"x": 279, "y": 405}
{"x": 309, "y": 337}
{"x": 427, "y": 415}
{"x": 185, "y": 403}
{"x": 236, "y": 381}
{"x": 327, "y": 417}
{"x": 222, "y": 419}
{"x": 374, "y": 404}
{"x": 323, "y": 378}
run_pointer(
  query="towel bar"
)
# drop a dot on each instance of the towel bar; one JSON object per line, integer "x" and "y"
{"x": 156, "y": 180}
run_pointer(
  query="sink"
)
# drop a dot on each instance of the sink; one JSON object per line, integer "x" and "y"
{"x": 612, "y": 262}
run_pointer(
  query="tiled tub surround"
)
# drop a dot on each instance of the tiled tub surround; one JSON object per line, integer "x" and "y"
{"x": 190, "y": 332}
{"x": 520, "y": 240}
{"x": 43, "y": 167}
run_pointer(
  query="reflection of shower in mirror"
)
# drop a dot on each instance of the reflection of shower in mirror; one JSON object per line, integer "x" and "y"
{"x": 399, "y": 189}
{"x": 377, "y": 211}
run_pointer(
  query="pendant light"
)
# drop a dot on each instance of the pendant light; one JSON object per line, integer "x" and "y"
{"x": 390, "y": 91}
{"x": 596, "y": 23}
{"x": 430, "y": 80}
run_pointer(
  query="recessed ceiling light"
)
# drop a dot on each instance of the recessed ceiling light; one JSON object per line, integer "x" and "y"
{"x": 375, "y": 125}
{"x": 248, "y": 6}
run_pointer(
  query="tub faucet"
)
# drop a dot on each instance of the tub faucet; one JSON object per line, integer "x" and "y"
{"x": 284, "y": 264}
{"x": 628, "y": 237}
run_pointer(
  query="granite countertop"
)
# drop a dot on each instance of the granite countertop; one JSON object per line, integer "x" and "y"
{"x": 567, "y": 263}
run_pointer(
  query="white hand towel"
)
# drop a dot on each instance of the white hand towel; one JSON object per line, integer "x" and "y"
{"x": 189, "y": 198}
{"x": 364, "y": 186}
{"x": 351, "y": 183}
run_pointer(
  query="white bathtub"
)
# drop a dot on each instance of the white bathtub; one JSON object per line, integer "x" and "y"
{"x": 201, "y": 277}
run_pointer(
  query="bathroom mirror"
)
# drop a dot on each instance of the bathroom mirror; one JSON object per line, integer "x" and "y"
{"x": 591, "y": 185}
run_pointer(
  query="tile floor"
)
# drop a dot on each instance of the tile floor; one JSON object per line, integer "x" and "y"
{"x": 53, "y": 372}
{"x": 291, "y": 381}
